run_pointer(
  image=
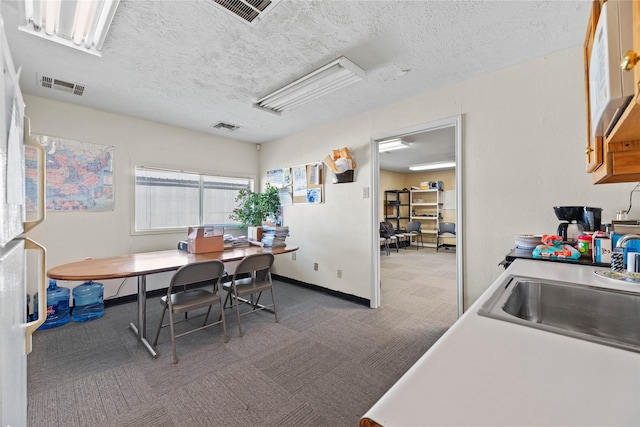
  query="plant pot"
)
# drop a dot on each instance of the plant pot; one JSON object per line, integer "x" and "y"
{"x": 254, "y": 233}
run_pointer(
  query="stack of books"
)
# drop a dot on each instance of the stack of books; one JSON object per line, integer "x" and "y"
{"x": 274, "y": 236}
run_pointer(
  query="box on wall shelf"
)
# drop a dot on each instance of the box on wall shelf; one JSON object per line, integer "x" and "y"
{"x": 431, "y": 185}
{"x": 205, "y": 239}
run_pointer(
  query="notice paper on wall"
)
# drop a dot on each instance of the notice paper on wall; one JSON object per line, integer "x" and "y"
{"x": 275, "y": 177}
{"x": 314, "y": 174}
{"x": 286, "y": 176}
{"x": 300, "y": 181}
{"x": 285, "y": 196}
{"x": 314, "y": 195}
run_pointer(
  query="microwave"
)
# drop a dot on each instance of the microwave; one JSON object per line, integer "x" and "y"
{"x": 610, "y": 88}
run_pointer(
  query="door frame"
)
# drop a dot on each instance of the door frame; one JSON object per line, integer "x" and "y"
{"x": 456, "y": 123}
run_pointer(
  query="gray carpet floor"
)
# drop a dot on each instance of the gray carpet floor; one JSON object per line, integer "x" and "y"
{"x": 325, "y": 363}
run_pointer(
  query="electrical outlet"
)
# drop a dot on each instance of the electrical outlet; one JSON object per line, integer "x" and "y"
{"x": 339, "y": 274}
{"x": 293, "y": 256}
{"x": 365, "y": 192}
{"x": 315, "y": 266}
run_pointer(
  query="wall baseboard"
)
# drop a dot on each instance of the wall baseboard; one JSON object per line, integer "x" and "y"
{"x": 159, "y": 292}
{"x": 349, "y": 297}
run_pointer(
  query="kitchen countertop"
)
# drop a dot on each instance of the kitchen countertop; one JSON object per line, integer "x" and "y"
{"x": 485, "y": 371}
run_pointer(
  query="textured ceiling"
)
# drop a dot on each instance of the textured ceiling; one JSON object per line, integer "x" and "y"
{"x": 187, "y": 63}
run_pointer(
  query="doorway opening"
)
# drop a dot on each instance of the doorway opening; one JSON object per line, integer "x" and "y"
{"x": 427, "y": 146}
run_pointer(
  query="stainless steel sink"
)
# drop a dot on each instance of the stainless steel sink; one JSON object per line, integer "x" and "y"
{"x": 600, "y": 315}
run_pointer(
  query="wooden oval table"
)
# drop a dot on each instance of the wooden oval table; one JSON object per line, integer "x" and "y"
{"x": 140, "y": 264}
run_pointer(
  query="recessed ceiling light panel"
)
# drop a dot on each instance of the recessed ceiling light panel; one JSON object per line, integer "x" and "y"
{"x": 331, "y": 77}
{"x": 392, "y": 144}
{"x": 79, "y": 24}
{"x": 433, "y": 166}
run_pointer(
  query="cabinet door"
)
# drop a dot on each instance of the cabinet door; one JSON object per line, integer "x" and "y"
{"x": 628, "y": 127}
{"x": 616, "y": 158}
{"x": 594, "y": 149}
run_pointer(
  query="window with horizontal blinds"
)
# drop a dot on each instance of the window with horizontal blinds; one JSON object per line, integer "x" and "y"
{"x": 169, "y": 199}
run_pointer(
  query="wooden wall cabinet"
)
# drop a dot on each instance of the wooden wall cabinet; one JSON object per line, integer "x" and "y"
{"x": 616, "y": 157}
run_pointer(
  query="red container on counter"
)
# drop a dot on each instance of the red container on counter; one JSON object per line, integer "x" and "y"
{"x": 584, "y": 245}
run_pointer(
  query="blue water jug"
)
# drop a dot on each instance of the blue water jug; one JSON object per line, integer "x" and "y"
{"x": 87, "y": 301}
{"x": 57, "y": 306}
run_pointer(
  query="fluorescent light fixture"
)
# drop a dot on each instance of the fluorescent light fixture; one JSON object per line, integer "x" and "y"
{"x": 392, "y": 144}
{"x": 80, "y": 24}
{"x": 433, "y": 166}
{"x": 331, "y": 77}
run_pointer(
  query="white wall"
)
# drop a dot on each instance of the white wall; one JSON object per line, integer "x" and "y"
{"x": 335, "y": 234}
{"x": 73, "y": 236}
{"x": 523, "y": 147}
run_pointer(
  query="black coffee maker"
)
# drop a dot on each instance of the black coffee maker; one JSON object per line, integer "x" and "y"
{"x": 577, "y": 219}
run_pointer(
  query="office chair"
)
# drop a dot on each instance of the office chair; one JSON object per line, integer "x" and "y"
{"x": 446, "y": 230}
{"x": 413, "y": 230}
{"x": 386, "y": 228}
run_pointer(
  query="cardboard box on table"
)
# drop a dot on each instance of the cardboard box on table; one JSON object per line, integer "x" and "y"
{"x": 205, "y": 239}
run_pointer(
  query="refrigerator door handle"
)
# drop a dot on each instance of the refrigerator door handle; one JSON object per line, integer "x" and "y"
{"x": 30, "y": 327}
{"x": 28, "y": 225}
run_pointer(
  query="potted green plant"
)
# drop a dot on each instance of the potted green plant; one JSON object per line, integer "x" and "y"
{"x": 252, "y": 209}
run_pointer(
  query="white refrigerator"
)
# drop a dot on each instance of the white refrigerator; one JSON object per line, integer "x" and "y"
{"x": 15, "y": 331}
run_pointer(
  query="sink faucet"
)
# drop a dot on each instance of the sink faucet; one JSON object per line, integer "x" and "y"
{"x": 622, "y": 243}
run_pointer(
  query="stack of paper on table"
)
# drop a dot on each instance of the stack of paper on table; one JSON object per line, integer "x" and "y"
{"x": 274, "y": 236}
{"x": 240, "y": 241}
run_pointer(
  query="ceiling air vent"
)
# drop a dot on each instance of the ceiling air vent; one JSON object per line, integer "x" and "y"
{"x": 226, "y": 126}
{"x": 248, "y": 11}
{"x": 61, "y": 85}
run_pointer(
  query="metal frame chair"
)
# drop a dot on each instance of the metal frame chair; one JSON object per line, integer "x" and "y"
{"x": 414, "y": 230}
{"x": 176, "y": 302}
{"x": 258, "y": 267}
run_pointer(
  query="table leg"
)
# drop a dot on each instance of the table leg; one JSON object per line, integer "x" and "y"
{"x": 141, "y": 329}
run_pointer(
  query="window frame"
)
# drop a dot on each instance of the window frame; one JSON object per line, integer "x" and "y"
{"x": 164, "y": 168}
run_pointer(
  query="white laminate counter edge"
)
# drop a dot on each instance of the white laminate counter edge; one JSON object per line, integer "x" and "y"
{"x": 485, "y": 371}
